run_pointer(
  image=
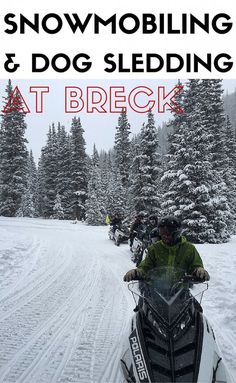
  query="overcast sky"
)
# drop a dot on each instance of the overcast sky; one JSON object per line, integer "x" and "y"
{"x": 99, "y": 128}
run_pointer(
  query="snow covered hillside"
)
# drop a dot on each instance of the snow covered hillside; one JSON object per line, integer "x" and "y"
{"x": 64, "y": 307}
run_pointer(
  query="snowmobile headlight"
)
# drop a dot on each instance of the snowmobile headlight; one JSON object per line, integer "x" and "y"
{"x": 161, "y": 329}
{"x": 182, "y": 325}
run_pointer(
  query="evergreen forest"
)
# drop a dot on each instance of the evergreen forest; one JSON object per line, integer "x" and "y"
{"x": 185, "y": 168}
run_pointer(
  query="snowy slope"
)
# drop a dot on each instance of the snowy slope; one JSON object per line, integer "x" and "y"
{"x": 64, "y": 307}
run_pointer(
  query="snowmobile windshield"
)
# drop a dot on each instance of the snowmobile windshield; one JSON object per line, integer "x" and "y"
{"x": 167, "y": 292}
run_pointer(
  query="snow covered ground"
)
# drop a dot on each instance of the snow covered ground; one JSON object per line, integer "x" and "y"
{"x": 64, "y": 307}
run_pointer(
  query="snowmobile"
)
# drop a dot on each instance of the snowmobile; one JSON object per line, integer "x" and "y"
{"x": 138, "y": 248}
{"x": 121, "y": 234}
{"x": 170, "y": 340}
{"x": 141, "y": 244}
{"x": 111, "y": 233}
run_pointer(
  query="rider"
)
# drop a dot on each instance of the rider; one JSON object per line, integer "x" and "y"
{"x": 172, "y": 250}
{"x": 135, "y": 226}
{"x": 151, "y": 233}
{"x": 116, "y": 221}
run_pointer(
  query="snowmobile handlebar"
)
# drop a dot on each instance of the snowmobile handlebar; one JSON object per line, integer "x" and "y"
{"x": 187, "y": 278}
{"x": 192, "y": 279}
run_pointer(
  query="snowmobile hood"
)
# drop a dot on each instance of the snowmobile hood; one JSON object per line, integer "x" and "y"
{"x": 170, "y": 340}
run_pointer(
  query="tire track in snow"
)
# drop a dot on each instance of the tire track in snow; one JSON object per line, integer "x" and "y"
{"x": 59, "y": 331}
{"x": 97, "y": 346}
{"x": 30, "y": 255}
{"x": 35, "y": 285}
{"x": 108, "y": 369}
{"x": 30, "y": 319}
{"x": 58, "y": 325}
{"x": 30, "y": 357}
{"x": 77, "y": 358}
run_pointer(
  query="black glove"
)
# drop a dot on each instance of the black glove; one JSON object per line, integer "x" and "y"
{"x": 201, "y": 273}
{"x": 134, "y": 274}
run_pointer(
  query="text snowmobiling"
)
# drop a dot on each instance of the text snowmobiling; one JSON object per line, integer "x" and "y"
{"x": 170, "y": 340}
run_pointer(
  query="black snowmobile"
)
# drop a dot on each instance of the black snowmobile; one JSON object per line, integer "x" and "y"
{"x": 138, "y": 247}
{"x": 121, "y": 235}
{"x": 170, "y": 340}
{"x": 111, "y": 233}
{"x": 141, "y": 244}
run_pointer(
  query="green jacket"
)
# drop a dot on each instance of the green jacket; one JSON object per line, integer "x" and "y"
{"x": 183, "y": 255}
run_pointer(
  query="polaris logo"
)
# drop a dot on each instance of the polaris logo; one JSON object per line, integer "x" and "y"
{"x": 138, "y": 358}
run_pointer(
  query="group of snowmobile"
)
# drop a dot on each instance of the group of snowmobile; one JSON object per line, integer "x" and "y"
{"x": 139, "y": 235}
{"x": 169, "y": 338}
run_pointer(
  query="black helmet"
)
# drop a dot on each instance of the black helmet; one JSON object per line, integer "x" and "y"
{"x": 170, "y": 221}
{"x": 173, "y": 224}
{"x": 140, "y": 215}
{"x": 152, "y": 217}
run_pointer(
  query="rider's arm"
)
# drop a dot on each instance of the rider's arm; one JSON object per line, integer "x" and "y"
{"x": 194, "y": 260}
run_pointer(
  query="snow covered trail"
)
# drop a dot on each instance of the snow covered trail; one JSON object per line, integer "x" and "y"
{"x": 64, "y": 309}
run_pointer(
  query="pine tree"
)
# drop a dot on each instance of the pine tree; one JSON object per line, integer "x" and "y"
{"x": 135, "y": 183}
{"x": 106, "y": 174}
{"x": 216, "y": 122}
{"x": 230, "y": 173}
{"x": 150, "y": 166}
{"x": 176, "y": 144}
{"x": 63, "y": 172}
{"x": 78, "y": 170}
{"x": 48, "y": 171}
{"x": 116, "y": 196}
{"x": 42, "y": 192}
{"x": 193, "y": 189}
{"x": 145, "y": 170}
{"x": 93, "y": 206}
{"x": 32, "y": 182}
{"x": 27, "y": 206}
{"x": 108, "y": 182}
{"x": 13, "y": 158}
{"x": 29, "y": 201}
{"x": 95, "y": 212}
{"x": 122, "y": 148}
{"x": 58, "y": 212}
{"x": 95, "y": 157}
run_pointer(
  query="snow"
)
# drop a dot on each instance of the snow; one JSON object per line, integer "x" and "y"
{"x": 65, "y": 308}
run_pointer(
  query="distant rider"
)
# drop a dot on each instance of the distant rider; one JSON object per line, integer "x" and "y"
{"x": 151, "y": 233}
{"x": 137, "y": 225}
{"x": 172, "y": 250}
{"x": 115, "y": 222}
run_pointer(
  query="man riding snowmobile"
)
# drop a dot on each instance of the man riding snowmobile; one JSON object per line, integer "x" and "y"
{"x": 151, "y": 233}
{"x": 115, "y": 221}
{"x": 172, "y": 250}
{"x": 136, "y": 226}
{"x": 169, "y": 339}
{"x": 144, "y": 238}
